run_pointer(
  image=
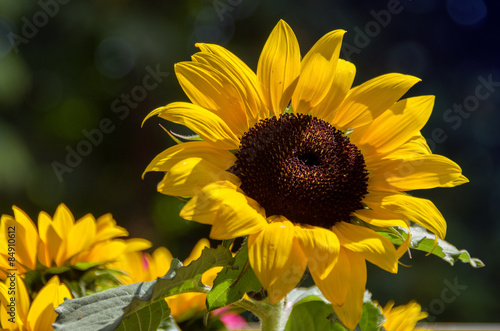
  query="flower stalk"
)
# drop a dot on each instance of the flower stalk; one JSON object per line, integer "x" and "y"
{"x": 272, "y": 317}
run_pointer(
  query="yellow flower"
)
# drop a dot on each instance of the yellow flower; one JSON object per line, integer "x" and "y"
{"x": 142, "y": 267}
{"x": 60, "y": 241}
{"x": 18, "y": 312}
{"x": 402, "y": 318}
{"x": 294, "y": 157}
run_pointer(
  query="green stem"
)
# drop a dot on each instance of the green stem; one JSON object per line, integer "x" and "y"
{"x": 272, "y": 317}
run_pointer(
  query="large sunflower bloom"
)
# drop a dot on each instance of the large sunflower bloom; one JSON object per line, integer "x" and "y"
{"x": 61, "y": 241}
{"x": 293, "y": 157}
{"x": 143, "y": 267}
{"x": 27, "y": 315}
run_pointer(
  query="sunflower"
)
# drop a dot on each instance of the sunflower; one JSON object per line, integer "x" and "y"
{"x": 302, "y": 163}
{"x": 402, "y": 318}
{"x": 143, "y": 267}
{"x": 61, "y": 241}
{"x": 28, "y": 315}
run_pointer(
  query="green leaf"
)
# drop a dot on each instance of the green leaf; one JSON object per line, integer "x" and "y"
{"x": 423, "y": 240}
{"x": 233, "y": 282}
{"x": 312, "y": 316}
{"x": 312, "y": 311}
{"x": 109, "y": 309}
{"x": 148, "y": 318}
{"x": 372, "y": 317}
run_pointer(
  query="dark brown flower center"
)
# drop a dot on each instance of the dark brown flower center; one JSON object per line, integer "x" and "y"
{"x": 303, "y": 168}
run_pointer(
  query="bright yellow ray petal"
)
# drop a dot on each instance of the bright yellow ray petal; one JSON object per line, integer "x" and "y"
{"x": 350, "y": 312}
{"x": 406, "y": 207}
{"x": 81, "y": 236}
{"x": 49, "y": 240}
{"x": 211, "y": 90}
{"x": 317, "y": 72}
{"x": 367, "y": 101}
{"x": 293, "y": 270}
{"x": 378, "y": 218}
{"x": 26, "y": 237}
{"x": 415, "y": 173}
{"x": 395, "y": 126}
{"x": 237, "y": 216}
{"x": 189, "y": 175}
{"x": 279, "y": 68}
{"x": 341, "y": 85}
{"x": 22, "y": 302}
{"x": 108, "y": 229}
{"x": 196, "y": 252}
{"x": 42, "y": 314}
{"x": 241, "y": 76}
{"x": 337, "y": 283}
{"x": 137, "y": 244}
{"x": 166, "y": 159}
{"x": 270, "y": 249}
{"x": 104, "y": 251}
{"x": 161, "y": 261}
{"x": 320, "y": 246}
{"x": 372, "y": 246}
{"x": 207, "y": 125}
{"x": 204, "y": 205}
{"x": 63, "y": 220}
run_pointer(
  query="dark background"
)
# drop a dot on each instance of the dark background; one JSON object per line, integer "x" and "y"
{"x": 67, "y": 67}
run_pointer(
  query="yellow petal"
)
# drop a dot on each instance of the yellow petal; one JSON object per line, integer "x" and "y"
{"x": 341, "y": 84}
{"x": 370, "y": 99}
{"x": 166, "y": 159}
{"x": 270, "y": 249}
{"x": 350, "y": 312}
{"x": 380, "y": 219}
{"x": 108, "y": 229}
{"x": 372, "y": 246}
{"x": 26, "y": 240}
{"x": 395, "y": 126}
{"x": 188, "y": 176}
{"x": 415, "y": 173}
{"x": 161, "y": 261}
{"x": 22, "y": 301}
{"x": 421, "y": 211}
{"x": 293, "y": 270}
{"x": 50, "y": 242}
{"x": 81, "y": 236}
{"x": 320, "y": 246}
{"x": 136, "y": 244}
{"x": 237, "y": 216}
{"x": 203, "y": 207}
{"x": 317, "y": 72}
{"x": 42, "y": 314}
{"x": 63, "y": 220}
{"x": 211, "y": 90}
{"x": 104, "y": 251}
{"x": 207, "y": 125}
{"x": 241, "y": 76}
{"x": 279, "y": 68}
{"x": 337, "y": 283}
{"x": 196, "y": 252}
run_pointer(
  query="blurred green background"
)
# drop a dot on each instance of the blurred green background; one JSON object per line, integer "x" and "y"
{"x": 78, "y": 77}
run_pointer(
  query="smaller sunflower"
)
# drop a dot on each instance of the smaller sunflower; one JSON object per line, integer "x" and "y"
{"x": 62, "y": 241}
{"x": 31, "y": 315}
{"x": 403, "y": 318}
